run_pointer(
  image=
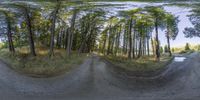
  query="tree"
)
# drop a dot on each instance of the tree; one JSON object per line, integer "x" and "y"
{"x": 187, "y": 46}
{"x": 89, "y": 28}
{"x": 27, "y": 12}
{"x": 198, "y": 47}
{"x": 144, "y": 27}
{"x": 172, "y": 29}
{"x": 166, "y": 49}
{"x": 158, "y": 14}
{"x": 161, "y": 50}
{"x": 8, "y": 16}
{"x": 194, "y": 18}
{"x": 131, "y": 14}
{"x": 54, "y": 16}
{"x": 173, "y": 49}
{"x": 71, "y": 32}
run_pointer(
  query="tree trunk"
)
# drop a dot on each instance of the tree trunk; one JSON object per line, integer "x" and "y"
{"x": 51, "y": 51}
{"x": 148, "y": 46}
{"x": 140, "y": 48}
{"x": 130, "y": 38}
{"x": 157, "y": 43}
{"x": 136, "y": 47}
{"x": 85, "y": 38}
{"x": 134, "y": 35}
{"x": 104, "y": 44}
{"x": 168, "y": 43}
{"x": 29, "y": 26}
{"x": 109, "y": 41}
{"x": 118, "y": 39}
{"x": 71, "y": 35}
{"x": 124, "y": 40}
{"x": 9, "y": 35}
{"x": 66, "y": 37}
{"x": 153, "y": 46}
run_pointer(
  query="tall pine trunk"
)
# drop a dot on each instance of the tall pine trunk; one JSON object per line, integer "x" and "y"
{"x": 104, "y": 44}
{"x": 140, "y": 48}
{"x": 29, "y": 26}
{"x": 124, "y": 40}
{"x": 157, "y": 42}
{"x": 130, "y": 38}
{"x": 148, "y": 46}
{"x": 9, "y": 35}
{"x": 55, "y": 12}
{"x": 71, "y": 33}
{"x": 134, "y": 36}
{"x": 168, "y": 43}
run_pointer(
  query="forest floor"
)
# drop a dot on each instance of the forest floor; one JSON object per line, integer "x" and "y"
{"x": 95, "y": 80}
{"x": 42, "y": 65}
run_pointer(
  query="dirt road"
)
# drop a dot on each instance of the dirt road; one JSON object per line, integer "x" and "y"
{"x": 95, "y": 80}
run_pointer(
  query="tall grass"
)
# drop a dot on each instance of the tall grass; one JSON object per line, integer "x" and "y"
{"x": 143, "y": 64}
{"x": 41, "y": 65}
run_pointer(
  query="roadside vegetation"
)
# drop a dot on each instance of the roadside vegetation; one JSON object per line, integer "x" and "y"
{"x": 41, "y": 65}
{"x": 187, "y": 49}
{"x": 141, "y": 65}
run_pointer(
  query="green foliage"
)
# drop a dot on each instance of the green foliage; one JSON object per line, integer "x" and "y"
{"x": 194, "y": 18}
{"x": 198, "y": 47}
{"x": 161, "y": 50}
{"x": 1, "y": 45}
{"x": 172, "y": 26}
{"x": 166, "y": 49}
{"x": 158, "y": 14}
{"x": 187, "y": 47}
{"x": 173, "y": 50}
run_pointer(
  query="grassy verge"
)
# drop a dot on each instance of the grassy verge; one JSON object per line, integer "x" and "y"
{"x": 142, "y": 65}
{"x": 41, "y": 65}
{"x": 186, "y": 52}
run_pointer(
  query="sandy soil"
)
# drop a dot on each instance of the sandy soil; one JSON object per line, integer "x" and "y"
{"x": 95, "y": 80}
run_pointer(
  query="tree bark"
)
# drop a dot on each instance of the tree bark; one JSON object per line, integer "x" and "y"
{"x": 51, "y": 51}
{"x": 157, "y": 42}
{"x": 29, "y": 26}
{"x": 168, "y": 43}
{"x": 104, "y": 44}
{"x": 9, "y": 35}
{"x": 124, "y": 39}
{"x": 71, "y": 34}
{"x": 134, "y": 36}
{"x": 130, "y": 38}
{"x": 148, "y": 46}
{"x": 140, "y": 48}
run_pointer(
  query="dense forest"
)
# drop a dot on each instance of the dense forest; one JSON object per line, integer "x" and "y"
{"x": 85, "y": 29}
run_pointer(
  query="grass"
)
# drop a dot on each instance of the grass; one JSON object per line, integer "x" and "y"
{"x": 1, "y": 45}
{"x": 186, "y": 52}
{"x": 41, "y": 65}
{"x": 144, "y": 64}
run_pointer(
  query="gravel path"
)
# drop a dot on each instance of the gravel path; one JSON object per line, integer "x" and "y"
{"x": 94, "y": 80}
